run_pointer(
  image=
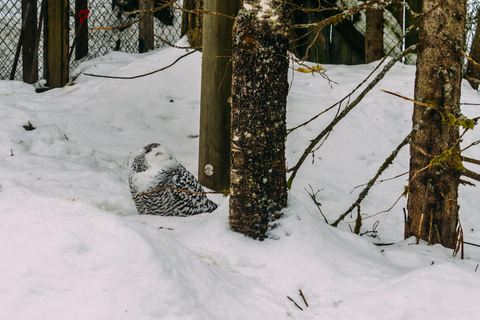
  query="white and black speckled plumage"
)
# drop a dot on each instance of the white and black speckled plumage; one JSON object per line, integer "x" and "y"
{"x": 154, "y": 168}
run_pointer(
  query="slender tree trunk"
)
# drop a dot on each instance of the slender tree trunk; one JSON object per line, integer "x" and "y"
{"x": 374, "y": 35}
{"x": 432, "y": 203}
{"x": 259, "y": 95}
{"x": 30, "y": 64}
{"x": 473, "y": 71}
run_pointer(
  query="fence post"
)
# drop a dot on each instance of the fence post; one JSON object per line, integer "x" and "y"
{"x": 56, "y": 43}
{"x": 214, "y": 140}
{"x": 146, "y": 27}
{"x": 30, "y": 64}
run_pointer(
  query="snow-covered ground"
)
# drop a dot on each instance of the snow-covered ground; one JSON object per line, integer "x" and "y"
{"x": 73, "y": 247}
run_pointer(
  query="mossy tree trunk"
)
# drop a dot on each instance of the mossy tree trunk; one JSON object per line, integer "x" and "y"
{"x": 259, "y": 94}
{"x": 432, "y": 203}
{"x": 374, "y": 35}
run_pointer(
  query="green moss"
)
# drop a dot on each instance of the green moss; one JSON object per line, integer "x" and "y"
{"x": 449, "y": 158}
{"x": 454, "y": 121}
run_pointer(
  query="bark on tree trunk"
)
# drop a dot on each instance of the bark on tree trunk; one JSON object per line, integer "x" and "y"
{"x": 374, "y": 35}
{"x": 192, "y": 23}
{"x": 432, "y": 203}
{"x": 473, "y": 71}
{"x": 259, "y": 91}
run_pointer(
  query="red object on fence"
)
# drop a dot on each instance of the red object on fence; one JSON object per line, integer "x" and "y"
{"x": 82, "y": 15}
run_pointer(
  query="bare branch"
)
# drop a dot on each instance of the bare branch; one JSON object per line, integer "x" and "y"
{"x": 470, "y": 160}
{"x": 470, "y": 174}
{"x": 141, "y": 75}
{"x": 224, "y": 192}
{"x": 423, "y": 104}
{"x": 352, "y": 105}
{"x": 370, "y": 184}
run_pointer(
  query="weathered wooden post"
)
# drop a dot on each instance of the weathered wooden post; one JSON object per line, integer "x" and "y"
{"x": 214, "y": 154}
{"x": 56, "y": 43}
{"x": 146, "y": 27}
{"x": 30, "y": 65}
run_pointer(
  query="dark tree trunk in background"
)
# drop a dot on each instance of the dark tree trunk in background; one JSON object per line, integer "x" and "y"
{"x": 374, "y": 35}
{"x": 259, "y": 94}
{"x": 432, "y": 204}
{"x": 81, "y": 28}
{"x": 145, "y": 27}
{"x": 473, "y": 71}
{"x": 192, "y": 22}
{"x": 30, "y": 63}
{"x": 214, "y": 150}
{"x": 416, "y": 7}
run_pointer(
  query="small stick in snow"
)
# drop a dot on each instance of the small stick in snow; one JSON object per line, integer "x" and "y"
{"x": 303, "y": 297}
{"x": 294, "y": 303}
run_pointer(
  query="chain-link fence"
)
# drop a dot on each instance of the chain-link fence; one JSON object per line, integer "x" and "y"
{"x": 101, "y": 14}
{"x": 104, "y": 14}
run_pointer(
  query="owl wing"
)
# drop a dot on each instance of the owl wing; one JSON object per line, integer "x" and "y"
{"x": 187, "y": 203}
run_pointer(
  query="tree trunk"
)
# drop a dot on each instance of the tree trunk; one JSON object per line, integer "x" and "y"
{"x": 432, "y": 203}
{"x": 192, "y": 22}
{"x": 473, "y": 71}
{"x": 30, "y": 64}
{"x": 374, "y": 35}
{"x": 145, "y": 27}
{"x": 56, "y": 43}
{"x": 214, "y": 151}
{"x": 259, "y": 95}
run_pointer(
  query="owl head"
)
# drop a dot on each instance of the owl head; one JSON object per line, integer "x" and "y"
{"x": 158, "y": 157}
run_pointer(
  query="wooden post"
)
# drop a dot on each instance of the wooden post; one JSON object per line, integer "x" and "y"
{"x": 214, "y": 153}
{"x": 81, "y": 29}
{"x": 56, "y": 43}
{"x": 146, "y": 27}
{"x": 30, "y": 65}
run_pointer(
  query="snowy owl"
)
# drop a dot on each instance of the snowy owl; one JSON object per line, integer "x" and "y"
{"x": 156, "y": 179}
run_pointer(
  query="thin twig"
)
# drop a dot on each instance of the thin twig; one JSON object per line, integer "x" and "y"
{"x": 382, "y": 168}
{"x": 141, "y": 75}
{"x": 387, "y": 179}
{"x": 470, "y": 160}
{"x": 345, "y": 111}
{"x": 303, "y": 297}
{"x": 175, "y": 46}
{"x": 412, "y": 100}
{"x": 470, "y": 174}
{"x": 313, "y": 195}
{"x": 471, "y": 145}
{"x": 294, "y": 303}
{"x": 141, "y": 194}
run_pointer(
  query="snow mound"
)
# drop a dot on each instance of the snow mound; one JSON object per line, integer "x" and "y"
{"x": 69, "y": 260}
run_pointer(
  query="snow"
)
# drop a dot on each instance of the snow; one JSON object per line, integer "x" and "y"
{"x": 73, "y": 247}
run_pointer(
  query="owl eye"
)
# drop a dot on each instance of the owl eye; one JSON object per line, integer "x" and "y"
{"x": 158, "y": 153}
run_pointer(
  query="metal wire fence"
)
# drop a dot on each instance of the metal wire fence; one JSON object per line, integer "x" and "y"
{"x": 102, "y": 14}
{"x": 100, "y": 42}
